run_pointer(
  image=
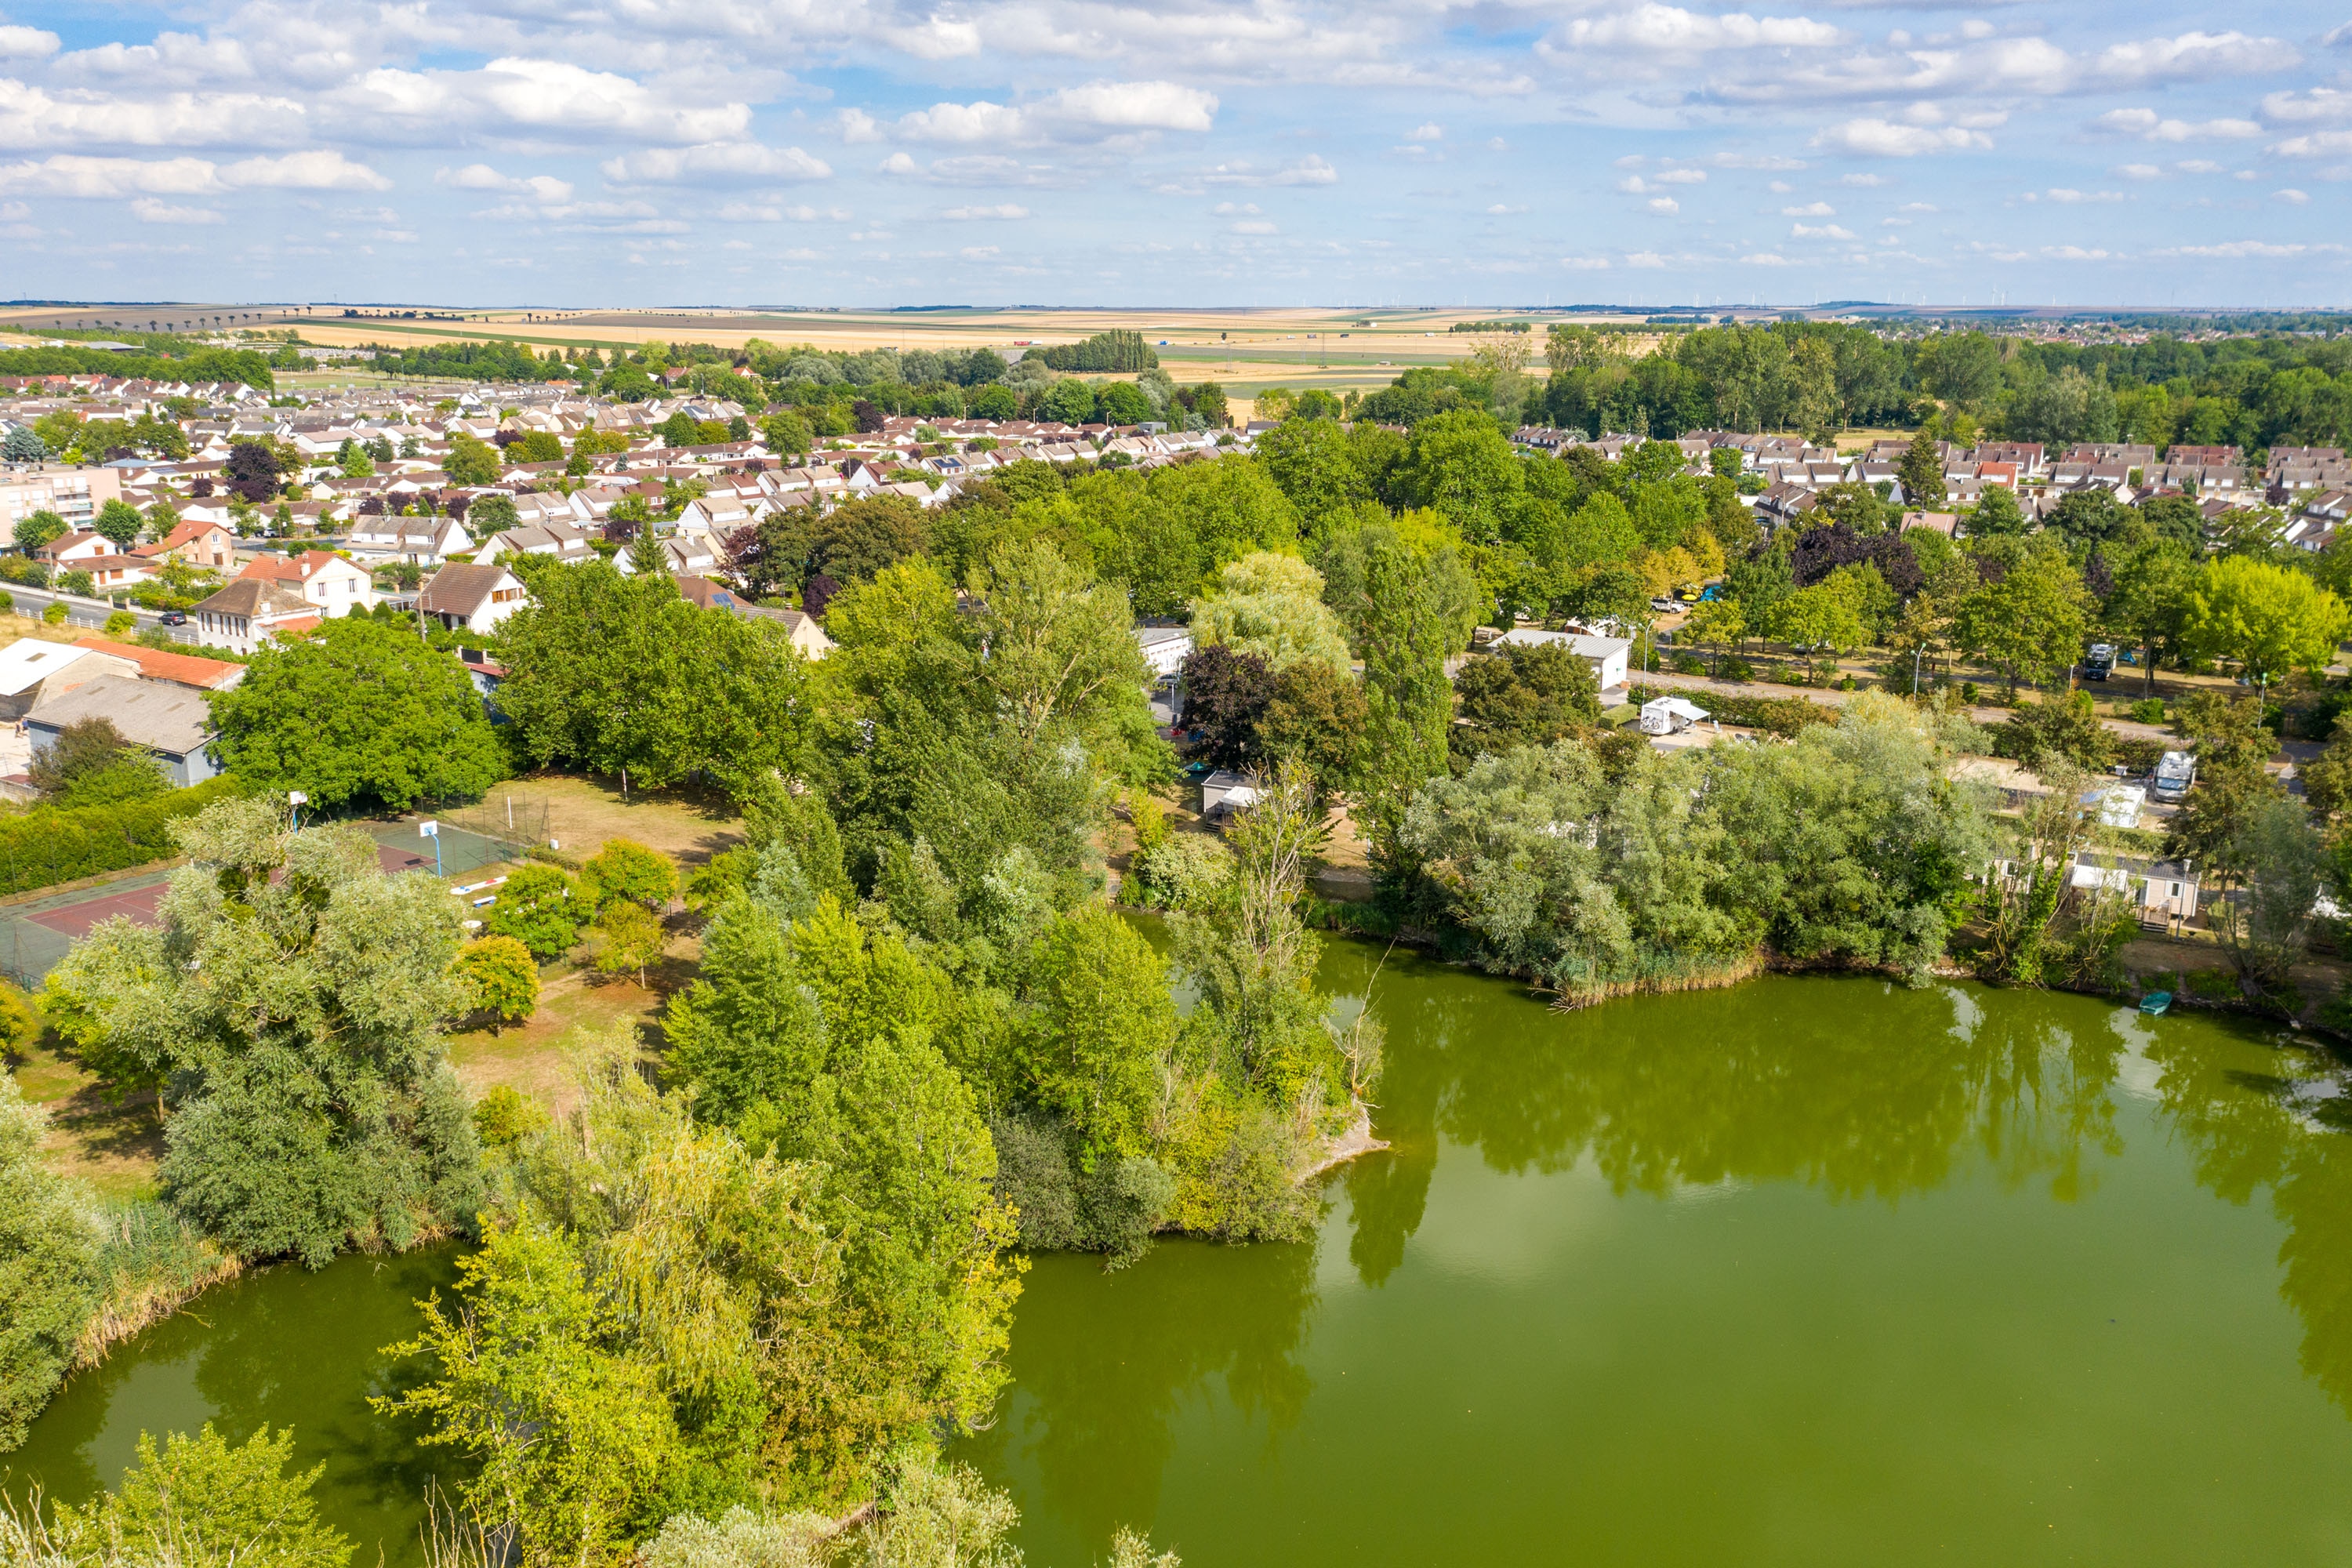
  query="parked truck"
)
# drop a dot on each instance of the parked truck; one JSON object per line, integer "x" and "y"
{"x": 2175, "y": 772}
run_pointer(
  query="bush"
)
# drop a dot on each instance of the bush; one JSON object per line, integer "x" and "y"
{"x": 498, "y": 977}
{"x": 56, "y": 614}
{"x": 504, "y": 1118}
{"x": 1186, "y": 871}
{"x": 2147, "y": 710}
{"x": 1732, "y": 667}
{"x": 1114, "y": 1208}
{"x": 49, "y": 1268}
{"x": 199, "y": 1500}
{"x": 1969, "y": 692}
{"x": 121, "y": 623}
{"x": 49, "y": 845}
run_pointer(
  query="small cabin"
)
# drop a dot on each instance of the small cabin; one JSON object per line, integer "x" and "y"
{"x": 1225, "y": 791}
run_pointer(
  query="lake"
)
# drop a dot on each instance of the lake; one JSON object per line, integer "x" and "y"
{"x": 1813, "y": 1270}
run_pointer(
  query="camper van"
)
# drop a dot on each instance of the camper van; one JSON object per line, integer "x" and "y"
{"x": 2099, "y": 662}
{"x": 2174, "y": 774}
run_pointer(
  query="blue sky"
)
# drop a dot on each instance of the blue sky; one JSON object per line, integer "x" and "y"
{"x": 1187, "y": 152}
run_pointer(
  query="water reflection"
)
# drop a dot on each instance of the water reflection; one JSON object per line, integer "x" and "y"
{"x": 1104, "y": 1368}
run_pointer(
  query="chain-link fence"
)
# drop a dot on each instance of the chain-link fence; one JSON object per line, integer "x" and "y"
{"x": 513, "y": 820}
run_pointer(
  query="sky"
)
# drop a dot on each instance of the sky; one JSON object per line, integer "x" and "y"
{"x": 1208, "y": 152}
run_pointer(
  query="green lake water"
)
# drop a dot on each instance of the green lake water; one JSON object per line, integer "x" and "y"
{"x": 1809, "y": 1271}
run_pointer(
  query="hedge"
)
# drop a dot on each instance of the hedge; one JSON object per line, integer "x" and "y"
{"x": 1774, "y": 715}
{"x": 52, "y": 844}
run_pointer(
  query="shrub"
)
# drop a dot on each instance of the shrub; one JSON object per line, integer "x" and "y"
{"x": 56, "y": 614}
{"x": 1186, "y": 871}
{"x": 49, "y": 845}
{"x": 2149, "y": 710}
{"x": 121, "y": 623}
{"x": 199, "y": 1500}
{"x": 503, "y": 1118}
{"x": 1732, "y": 667}
{"x": 1969, "y": 692}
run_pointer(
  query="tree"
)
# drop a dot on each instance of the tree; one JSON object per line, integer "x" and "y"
{"x": 35, "y": 529}
{"x": 48, "y": 1267}
{"x": 2327, "y": 778}
{"x": 253, "y": 470}
{"x": 1921, "y": 472}
{"x": 622, "y": 676}
{"x": 1523, "y": 696}
{"x": 632, "y": 939}
{"x": 2268, "y": 619}
{"x": 496, "y": 975}
{"x": 358, "y": 711}
{"x": 492, "y": 513}
{"x": 787, "y": 434}
{"x": 1461, "y": 465}
{"x": 2277, "y": 861}
{"x": 470, "y": 461}
{"x": 859, "y": 538}
{"x": 1405, "y": 640}
{"x": 119, "y": 521}
{"x": 24, "y": 445}
{"x": 2027, "y": 623}
{"x": 1320, "y": 716}
{"x": 201, "y": 1501}
{"x": 1226, "y": 698}
{"x": 626, "y": 870}
{"x": 90, "y": 763}
{"x": 1997, "y": 515}
{"x": 1101, "y": 1021}
{"x": 1315, "y": 467}
{"x": 1272, "y": 606}
{"x": 537, "y": 907}
{"x": 2150, "y": 604}
{"x": 2232, "y": 745}
{"x": 2067, "y": 730}
{"x": 294, "y": 993}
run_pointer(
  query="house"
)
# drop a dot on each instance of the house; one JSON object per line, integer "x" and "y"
{"x": 801, "y": 629}
{"x": 197, "y": 541}
{"x": 109, "y": 565}
{"x": 553, "y": 537}
{"x": 2165, "y": 891}
{"x": 180, "y": 668}
{"x": 473, "y": 598}
{"x": 321, "y": 577}
{"x": 1224, "y": 791}
{"x": 33, "y": 672}
{"x": 172, "y": 722}
{"x": 1165, "y": 648}
{"x": 418, "y": 540}
{"x": 246, "y": 611}
{"x": 1607, "y": 656}
{"x": 1669, "y": 715}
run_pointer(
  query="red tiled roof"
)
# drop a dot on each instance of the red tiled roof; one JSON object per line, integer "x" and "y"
{"x": 186, "y": 669}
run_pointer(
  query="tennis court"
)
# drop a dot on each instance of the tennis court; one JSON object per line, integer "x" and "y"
{"x": 36, "y": 933}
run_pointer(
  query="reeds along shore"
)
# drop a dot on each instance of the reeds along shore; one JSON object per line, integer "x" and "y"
{"x": 151, "y": 1264}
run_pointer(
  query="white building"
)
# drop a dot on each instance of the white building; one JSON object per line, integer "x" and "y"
{"x": 1607, "y": 656}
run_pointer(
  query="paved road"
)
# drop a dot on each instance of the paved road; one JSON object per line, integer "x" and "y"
{"x": 31, "y": 602}
{"x": 1829, "y": 698}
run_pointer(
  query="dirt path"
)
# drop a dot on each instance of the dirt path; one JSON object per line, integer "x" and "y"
{"x": 2128, "y": 728}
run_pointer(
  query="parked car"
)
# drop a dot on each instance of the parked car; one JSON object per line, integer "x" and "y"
{"x": 2099, "y": 661}
{"x": 1661, "y": 605}
{"x": 173, "y": 617}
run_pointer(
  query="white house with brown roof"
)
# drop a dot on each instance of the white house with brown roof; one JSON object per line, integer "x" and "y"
{"x": 473, "y": 596}
{"x": 324, "y": 578}
{"x": 248, "y": 611}
{"x": 109, "y": 564}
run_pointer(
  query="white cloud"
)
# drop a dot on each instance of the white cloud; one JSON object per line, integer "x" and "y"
{"x": 1810, "y": 209}
{"x": 1876, "y": 138}
{"x": 978, "y": 252}
{"x": 147, "y": 209}
{"x": 771, "y": 211}
{"x": 1645, "y": 259}
{"x": 523, "y": 97}
{"x": 1820, "y": 231}
{"x": 1003, "y": 210}
{"x": 2291, "y": 197}
{"x": 1254, "y": 226}
{"x": 67, "y": 175}
{"x": 1865, "y": 181}
{"x": 545, "y": 189}
{"x": 2071, "y": 197}
{"x": 1310, "y": 169}
{"x": 34, "y": 120}
{"x": 1585, "y": 263}
{"x": 26, "y": 44}
{"x": 2076, "y": 253}
{"x": 1918, "y": 208}
{"x": 1664, "y": 205}
{"x": 2247, "y": 250}
{"x": 2138, "y": 171}
{"x": 1499, "y": 210}
{"x": 1681, "y": 177}
{"x": 2316, "y": 106}
{"x": 1670, "y": 31}
{"x": 2318, "y": 145}
{"x": 713, "y": 162}
{"x": 856, "y": 125}
{"x": 1764, "y": 258}
{"x": 2148, "y": 126}
{"x": 1087, "y": 113}
{"x": 1429, "y": 132}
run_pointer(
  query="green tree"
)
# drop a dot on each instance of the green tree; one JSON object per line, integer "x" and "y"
{"x": 627, "y": 870}
{"x": 1271, "y": 605}
{"x": 631, "y": 938}
{"x": 1311, "y": 461}
{"x": 49, "y": 1268}
{"x": 1101, "y": 1021}
{"x": 496, "y": 975}
{"x": 2030, "y": 622}
{"x": 1996, "y": 515}
{"x": 1320, "y": 716}
{"x": 2149, "y": 606}
{"x": 1461, "y": 467}
{"x": 294, "y": 993}
{"x": 202, "y": 1501}
{"x": 35, "y": 529}
{"x": 90, "y": 763}
{"x": 2232, "y": 747}
{"x": 490, "y": 514}
{"x": 1522, "y": 697}
{"x": 1921, "y": 471}
{"x": 787, "y": 434}
{"x": 2268, "y": 619}
{"x": 623, "y": 677}
{"x": 1405, "y": 641}
{"x": 470, "y": 460}
{"x": 539, "y": 909}
{"x": 119, "y": 521}
{"x": 358, "y": 711}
